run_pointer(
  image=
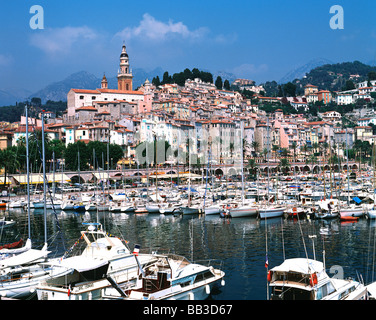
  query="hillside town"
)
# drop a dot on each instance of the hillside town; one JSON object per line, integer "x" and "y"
{"x": 199, "y": 110}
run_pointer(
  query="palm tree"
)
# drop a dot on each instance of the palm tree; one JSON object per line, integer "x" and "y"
{"x": 7, "y": 161}
{"x": 275, "y": 148}
{"x": 265, "y": 152}
{"x": 285, "y": 153}
{"x": 255, "y": 145}
{"x": 284, "y": 165}
{"x": 294, "y": 146}
{"x": 304, "y": 148}
{"x": 252, "y": 165}
{"x": 231, "y": 147}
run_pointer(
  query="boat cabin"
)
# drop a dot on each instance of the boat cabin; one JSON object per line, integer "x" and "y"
{"x": 306, "y": 279}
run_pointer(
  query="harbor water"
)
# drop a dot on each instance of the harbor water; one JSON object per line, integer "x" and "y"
{"x": 242, "y": 244}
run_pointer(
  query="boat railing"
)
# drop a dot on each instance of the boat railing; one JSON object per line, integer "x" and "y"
{"x": 215, "y": 263}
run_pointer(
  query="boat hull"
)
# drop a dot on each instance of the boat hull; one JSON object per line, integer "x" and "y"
{"x": 271, "y": 213}
{"x": 371, "y": 214}
{"x": 243, "y": 212}
{"x": 351, "y": 213}
{"x": 190, "y": 210}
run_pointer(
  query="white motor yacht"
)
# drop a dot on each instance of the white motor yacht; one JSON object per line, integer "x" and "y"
{"x": 306, "y": 279}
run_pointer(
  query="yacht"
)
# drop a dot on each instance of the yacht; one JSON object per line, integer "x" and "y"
{"x": 306, "y": 279}
{"x": 160, "y": 277}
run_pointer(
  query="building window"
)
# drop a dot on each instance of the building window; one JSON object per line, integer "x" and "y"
{"x": 81, "y": 97}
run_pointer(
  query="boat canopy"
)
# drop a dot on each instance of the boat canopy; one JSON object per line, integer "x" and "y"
{"x": 24, "y": 258}
{"x": 300, "y": 265}
{"x": 82, "y": 264}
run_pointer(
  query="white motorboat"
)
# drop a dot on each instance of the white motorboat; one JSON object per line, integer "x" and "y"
{"x": 371, "y": 214}
{"x": 243, "y": 211}
{"x": 187, "y": 210}
{"x": 266, "y": 212}
{"x": 306, "y": 279}
{"x": 104, "y": 256}
{"x": 68, "y": 204}
{"x": 214, "y": 209}
{"x": 20, "y": 274}
{"x": 351, "y": 211}
{"x": 19, "y": 203}
{"x": 162, "y": 277}
{"x": 171, "y": 277}
{"x": 152, "y": 207}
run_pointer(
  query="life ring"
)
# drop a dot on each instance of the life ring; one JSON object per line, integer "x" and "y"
{"x": 313, "y": 279}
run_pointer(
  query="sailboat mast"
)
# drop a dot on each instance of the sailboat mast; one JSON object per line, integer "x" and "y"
{"x": 267, "y": 155}
{"x": 347, "y": 171}
{"x": 241, "y": 156}
{"x": 44, "y": 181}
{"x": 28, "y": 171}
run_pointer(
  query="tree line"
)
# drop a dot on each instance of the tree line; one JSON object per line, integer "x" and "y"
{"x": 181, "y": 77}
{"x": 76, "y": 156}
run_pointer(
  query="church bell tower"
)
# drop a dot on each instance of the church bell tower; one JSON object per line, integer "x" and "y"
{"x": 125, "y": 74}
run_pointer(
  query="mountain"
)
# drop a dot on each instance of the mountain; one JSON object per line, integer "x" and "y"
{"x": 58, "y": 91}
{"x": 10, "y": 96}
{"x": 333, "y": 77}
{"x": 225, "y": 76}
{"x": 301, "y": 71}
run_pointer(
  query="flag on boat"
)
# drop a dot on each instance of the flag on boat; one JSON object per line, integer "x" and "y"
{"x": 136, "y": 249}
{"x": 266, "y": 262}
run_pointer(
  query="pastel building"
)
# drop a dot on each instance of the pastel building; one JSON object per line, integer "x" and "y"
{"x": 325, "y": 96}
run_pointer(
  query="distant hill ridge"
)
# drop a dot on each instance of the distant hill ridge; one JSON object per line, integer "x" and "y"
{"x": 58, "y": 91}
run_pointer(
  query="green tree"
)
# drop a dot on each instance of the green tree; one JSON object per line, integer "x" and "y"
{"x": 349, "y": 85}
{"x": 371, "y": 75}
{"x": 284, "y": 165}
{"x": 156, "y": 81}
{"x": 166, "y": 78}
{"x": 218, "y": 83}
{"x": 226, "y": 85}
{"x": 8, "y": 162}
{"x": 289, "y": 89}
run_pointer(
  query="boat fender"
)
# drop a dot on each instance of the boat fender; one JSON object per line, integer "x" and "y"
{"x": 313, "y": 279}
{"x": 191, "y": 296}
{"x": 269, "y": 276}
{"x": 207, "y": 289}
{"x": 223, "y": 283}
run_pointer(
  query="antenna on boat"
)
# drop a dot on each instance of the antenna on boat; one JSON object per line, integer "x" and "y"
{"x": 313, "y": 244}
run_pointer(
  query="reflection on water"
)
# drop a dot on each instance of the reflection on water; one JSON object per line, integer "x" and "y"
{"x": 241, "y": 243}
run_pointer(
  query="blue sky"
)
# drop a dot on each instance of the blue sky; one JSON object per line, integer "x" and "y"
{"x": 259, "y": 40}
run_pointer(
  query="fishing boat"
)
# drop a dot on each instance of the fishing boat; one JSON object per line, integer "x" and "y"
{"x": 306, "y": 279}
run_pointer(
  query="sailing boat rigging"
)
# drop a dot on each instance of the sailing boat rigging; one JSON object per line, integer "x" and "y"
{"x": 20, "y": 274}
